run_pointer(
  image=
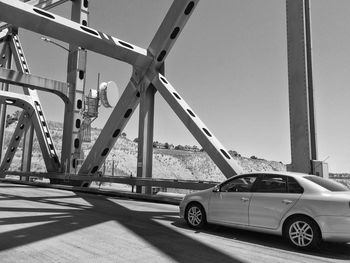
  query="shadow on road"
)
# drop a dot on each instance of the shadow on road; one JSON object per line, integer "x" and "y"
{"x": 77, "y": 211}
{"x": 328, "y": 250}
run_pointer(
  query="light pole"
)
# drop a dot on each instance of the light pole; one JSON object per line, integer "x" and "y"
{"x": 53, "y": 42}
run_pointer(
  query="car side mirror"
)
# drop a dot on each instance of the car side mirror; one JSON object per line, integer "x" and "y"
{"x": 216, "y": 189}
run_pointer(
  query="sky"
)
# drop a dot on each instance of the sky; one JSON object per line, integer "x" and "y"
{"x": 230, "y": 65}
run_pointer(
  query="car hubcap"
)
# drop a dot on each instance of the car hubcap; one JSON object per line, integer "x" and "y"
{"x": 194, "y": 216}
{"x": 301, "y": 233}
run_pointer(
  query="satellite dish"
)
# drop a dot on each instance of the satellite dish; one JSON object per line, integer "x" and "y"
{"x": 111, "y": 86}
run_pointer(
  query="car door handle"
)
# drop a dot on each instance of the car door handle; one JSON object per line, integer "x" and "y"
{"x": 245, "y": 199}
{"x": 287, "y": 202}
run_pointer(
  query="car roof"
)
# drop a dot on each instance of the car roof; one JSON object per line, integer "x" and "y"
{"x": 308, "y": 186}
{"x": 292, "y": 174}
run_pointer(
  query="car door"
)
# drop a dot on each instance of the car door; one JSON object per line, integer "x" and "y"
{"x": 229, "y": 204}
{"x": 273, "y": 196}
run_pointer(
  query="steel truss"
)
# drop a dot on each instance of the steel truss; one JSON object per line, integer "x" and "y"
{"x": 147, "y": 78}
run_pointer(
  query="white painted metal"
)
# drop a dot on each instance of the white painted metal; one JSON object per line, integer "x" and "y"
{"x": 76, "y": 76}
{"x": 112, "y": 130}
{"x": 161, "y": 44}
{"x": 39, "y": 121}
{"x": 44, "y": 4}
{"x": 49, "y": 24}
{"x": 208, "y": 141}
{"x": 171, "y": 27}
{"x": 24, "y": 123}
{"x": 302, "y": 113}
{"x": 5, "y": 62}
{"x": 147, "y": 65}
{"x": 35, "y": 82}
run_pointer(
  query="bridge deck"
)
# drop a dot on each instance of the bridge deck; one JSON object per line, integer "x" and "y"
{"x": 52, "y": 225}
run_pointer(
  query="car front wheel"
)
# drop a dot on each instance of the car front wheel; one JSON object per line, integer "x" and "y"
{"x": 195, "y": 215}
{"x": 303, "y": 232}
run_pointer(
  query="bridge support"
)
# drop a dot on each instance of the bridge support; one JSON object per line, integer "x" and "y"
{"x": 5, "y": 61}
{"x": 301, "y": 97}
{"x": 145, "y": 143}
{"x": 76, "y": 73}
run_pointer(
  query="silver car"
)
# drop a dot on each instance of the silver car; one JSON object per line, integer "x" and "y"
{"x": 305, "y": 209}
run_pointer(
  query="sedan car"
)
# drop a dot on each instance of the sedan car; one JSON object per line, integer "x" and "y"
{"x": 305, "y": 209}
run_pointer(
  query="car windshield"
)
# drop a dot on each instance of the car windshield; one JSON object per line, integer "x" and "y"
{"x": 328, "y": 184}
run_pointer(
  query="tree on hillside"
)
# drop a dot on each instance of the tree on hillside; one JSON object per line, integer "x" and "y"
{"x": 179, "y": 147}
{"x": 234, "y": 153}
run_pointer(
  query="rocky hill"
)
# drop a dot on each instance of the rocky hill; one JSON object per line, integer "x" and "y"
{"x": 174, "y": 164}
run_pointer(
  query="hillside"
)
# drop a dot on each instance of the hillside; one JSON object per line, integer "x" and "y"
{"x": 174, "y": 164}
{"x": 169, "y": 164}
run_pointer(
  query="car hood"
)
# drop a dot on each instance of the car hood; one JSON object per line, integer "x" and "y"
{"x": 201, "y": 193}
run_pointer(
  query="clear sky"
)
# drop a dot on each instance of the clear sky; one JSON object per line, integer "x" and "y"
{"x": 230, "y": 65}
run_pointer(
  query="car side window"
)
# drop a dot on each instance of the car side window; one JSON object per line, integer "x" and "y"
{"x": 294, "y": 187}
{"x": 241, "y": 184}
{"x": 272, "y": 184}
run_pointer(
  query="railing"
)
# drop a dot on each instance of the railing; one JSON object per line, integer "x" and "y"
{"x": 133, "y": 181}
{"x": 339, "y": 177}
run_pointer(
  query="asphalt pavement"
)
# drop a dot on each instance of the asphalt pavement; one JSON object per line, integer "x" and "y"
{"x": 54, "y": 225}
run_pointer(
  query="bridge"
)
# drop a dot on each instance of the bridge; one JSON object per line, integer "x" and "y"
{"x": 147, "y": 79}
{"x": 80, "y": 212}
{"x": 50, "y": 225}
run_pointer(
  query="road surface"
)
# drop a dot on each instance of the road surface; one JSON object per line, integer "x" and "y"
{"x": 51, "y": 225}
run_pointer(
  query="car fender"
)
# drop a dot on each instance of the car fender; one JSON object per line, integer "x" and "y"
{"x": 200, "y": 199}
{"x": 298, "y": 210}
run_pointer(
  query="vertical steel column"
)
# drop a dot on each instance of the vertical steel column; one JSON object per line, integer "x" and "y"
{"x": 145, "y": 144}
{"x": 27, "y": 148}
{"x": 71, "y": 144}
{"x": 27, "y": 145}
{"x": 301, "y": 103}
{"x": 5, "y": 62}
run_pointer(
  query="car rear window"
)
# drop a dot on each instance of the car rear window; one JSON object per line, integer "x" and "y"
{"x": 328, "y": 184}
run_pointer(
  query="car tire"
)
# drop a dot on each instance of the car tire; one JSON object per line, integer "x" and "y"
{"x": 195, "y": 216}
{"x": 302, "y": 232}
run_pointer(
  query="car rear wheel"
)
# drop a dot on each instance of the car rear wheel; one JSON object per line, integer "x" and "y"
{"x": 302, "y": 232}
{"x": 195, "y": 215}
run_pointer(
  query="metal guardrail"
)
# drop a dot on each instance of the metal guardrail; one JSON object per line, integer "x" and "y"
{"x": 133, "y": 181}
{"x": 339, "y": 178}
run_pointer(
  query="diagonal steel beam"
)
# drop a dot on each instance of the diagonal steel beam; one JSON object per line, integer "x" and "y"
{"x": 171, "y": 27}
{"x": 61, "y": 89}
{"x": 39, "y": 121}
{"x": 42, "y": 22}
{"x": 23, "y": 124}
{"x": 44, "y": 4}
{"x": 4, "y": 55}
{"x": 111, "y": 131}
{"x": 22, "y": 101}
{"x": 22, "y": 65}
{"x": 208, "y": 141}
{"x": 3, "y": 34}
{"x": 31, "y": 105}
{"x": 5, "y": 62}
{"x": 164, "y": 39}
